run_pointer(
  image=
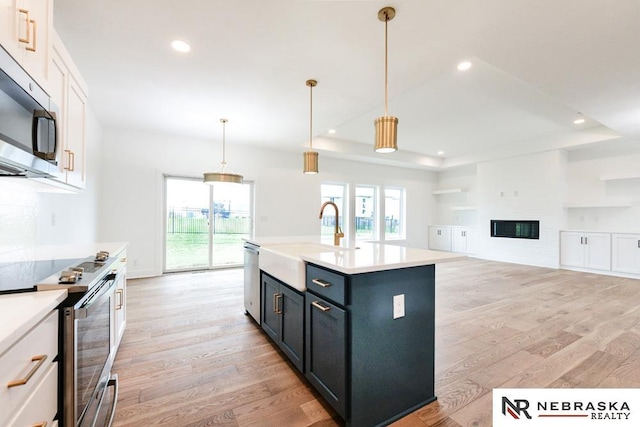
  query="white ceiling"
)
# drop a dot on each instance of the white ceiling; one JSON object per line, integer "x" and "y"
{"x": 536, "y": 63}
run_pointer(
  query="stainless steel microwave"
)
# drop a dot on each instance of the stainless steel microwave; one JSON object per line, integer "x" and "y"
{"x": 28, "y": 126}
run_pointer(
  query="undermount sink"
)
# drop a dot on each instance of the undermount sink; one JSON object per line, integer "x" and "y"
{"x": 283, "y": 261}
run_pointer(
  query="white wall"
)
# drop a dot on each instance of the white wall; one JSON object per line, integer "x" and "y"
{"x": 32, "y": 215}
{"x": 286, "y": 201}
{"x": 587, "y": 189}
{"x": 529, "y": 187}
{"x": 457, "y": 208}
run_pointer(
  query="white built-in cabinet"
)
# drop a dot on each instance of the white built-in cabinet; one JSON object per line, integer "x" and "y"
{"x": 440, "y": 238}
{"x": 68, "y": 92}
{"x": 29, "y": 376}
{"x": 462, "y": 239}
{"x": 25, "y": 27}
{"x": 585, "y": 250}
{"x": 452, "y": 238}
{"x": 119, "y": 302}
{"x": 625, "y": 253}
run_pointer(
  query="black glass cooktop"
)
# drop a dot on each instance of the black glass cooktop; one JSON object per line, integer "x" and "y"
{"x": 23, "y": 276}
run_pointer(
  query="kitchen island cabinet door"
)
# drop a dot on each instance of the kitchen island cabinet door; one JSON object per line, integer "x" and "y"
{"x": 270, "y": 296}
{"x": 326, "y": 351}
{"x": 292, "y": 326}
{"x": 283, "y": 318}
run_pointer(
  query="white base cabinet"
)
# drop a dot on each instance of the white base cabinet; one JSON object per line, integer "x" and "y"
{"x": 463, "y": 240}
{"x": 440, "y": 238}
{"x": 585, "y": 250}
{"x": 625, "y": 253}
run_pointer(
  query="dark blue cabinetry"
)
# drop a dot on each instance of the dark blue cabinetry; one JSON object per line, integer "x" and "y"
{"x": 283, "y": 318}
{"x": 370, "y": 367}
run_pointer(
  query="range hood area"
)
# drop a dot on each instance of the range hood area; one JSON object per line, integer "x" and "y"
{"x": 17, "y": 162}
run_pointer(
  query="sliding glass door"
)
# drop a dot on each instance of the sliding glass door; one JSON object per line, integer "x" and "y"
{"x": 205, "y": 225}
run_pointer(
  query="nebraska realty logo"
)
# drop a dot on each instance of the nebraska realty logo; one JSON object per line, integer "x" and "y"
{"x": 566, "y": 407}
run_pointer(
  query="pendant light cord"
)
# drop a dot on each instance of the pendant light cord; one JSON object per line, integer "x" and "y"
{"x": 310, "y": 116}
{"x": 224, "y": 159}
{"x": 386, "y": 86}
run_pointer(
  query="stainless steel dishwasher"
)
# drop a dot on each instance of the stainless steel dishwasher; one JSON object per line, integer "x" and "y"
{"x": 252, "y": 280}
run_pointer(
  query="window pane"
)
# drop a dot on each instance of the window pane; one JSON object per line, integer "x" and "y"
{"x": 331, "y": 193}
{"x": 187, "y": 238}
{"x": 394, "y": 213}
{"x": 365, "y": 213}
{"x": 231, "y": 222}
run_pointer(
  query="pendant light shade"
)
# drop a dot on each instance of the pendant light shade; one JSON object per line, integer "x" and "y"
{"x": 386, "y": 126}
{"x": 220, "y": 175}
{"x": 310, "y": 157}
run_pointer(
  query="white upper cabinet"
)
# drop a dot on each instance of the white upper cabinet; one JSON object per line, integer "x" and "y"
{"x": 25, "y": 27}
{"x": 68, "y": 92}
{"x": 626, "y": 253}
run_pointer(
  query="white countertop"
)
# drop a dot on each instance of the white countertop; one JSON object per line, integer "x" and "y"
{"x": 285, "y": 258}
{"x": 377, "y": 257}
{"x": 21, "y": 312}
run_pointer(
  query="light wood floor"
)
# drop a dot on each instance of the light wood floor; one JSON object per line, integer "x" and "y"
{"x": 190, "y": 357}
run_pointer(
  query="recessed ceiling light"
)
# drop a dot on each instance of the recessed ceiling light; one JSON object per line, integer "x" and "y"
{"x": 332, "y": 131}
{"x": 181, "y": 46}
{"x": 464, "y": 65}
{"x": 440, "y": 153}
{"x": 579, "y": 120}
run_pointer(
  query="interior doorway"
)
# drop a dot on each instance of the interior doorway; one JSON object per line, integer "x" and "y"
{"x": 205, "y": 224}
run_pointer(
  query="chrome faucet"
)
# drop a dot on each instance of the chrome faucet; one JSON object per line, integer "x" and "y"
{"x": 337, "y": 234}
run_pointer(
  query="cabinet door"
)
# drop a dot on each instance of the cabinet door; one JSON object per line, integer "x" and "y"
{"x": 270, "y": 306}
{"x": 75, "y": 147}
{"x": 8, "y": 27}
{"x": 440, "y": 238}
{"x": 597, "y": 251}
{"x": 572, "y": 249}
{"x": 459, "y": 240}
{"x": 626, "y": 253}
{"x": 325, "y": 351}
{"x": 37, "y": 27}
{"x": 292, "y": 326}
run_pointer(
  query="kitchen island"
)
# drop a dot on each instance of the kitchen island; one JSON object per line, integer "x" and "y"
{"x": 367, "y": 338}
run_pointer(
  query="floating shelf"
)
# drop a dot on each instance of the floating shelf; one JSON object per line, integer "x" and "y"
{"x": 598, "y": 205}
{"x": 464, "y": 208}
{"x": 447, "y": 191}
{"x": 620, "y": 177}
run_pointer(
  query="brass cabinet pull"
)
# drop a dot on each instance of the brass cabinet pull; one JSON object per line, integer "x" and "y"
{"x": 22, "y": 381}
{"x": 42, "y": 424}
{"x": 123, "y": 259}
{"x": 72, "y": 159}
{"x": 120, "y": 303}
{"x": 317, "y": 305}
{"x": 29, "y": 23}
{"x": 27, "y": 20}
{"x": 68, "y": 167}
{"x": 322, "y": 283}
{"x": 276, "y": 306}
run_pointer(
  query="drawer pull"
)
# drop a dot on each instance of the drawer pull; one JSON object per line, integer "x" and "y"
{"x": 120, "y": 303}
{"x": 276, "y": 304}
{"x": 42, "y": 424}
{"x": 40, "y": 359}
{"x": 317, "y": 305}
{"x": 320, "y": 282}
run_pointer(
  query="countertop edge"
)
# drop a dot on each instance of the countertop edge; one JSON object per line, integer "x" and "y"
{"x": 377, "y": 267}
{"x": 42, "y": 303}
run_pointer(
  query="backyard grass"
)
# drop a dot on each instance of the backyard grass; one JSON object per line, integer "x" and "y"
{"x": 191, "y": 250}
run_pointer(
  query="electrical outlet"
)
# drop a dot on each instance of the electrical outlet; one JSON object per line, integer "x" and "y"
{"x": 398, "y": 306}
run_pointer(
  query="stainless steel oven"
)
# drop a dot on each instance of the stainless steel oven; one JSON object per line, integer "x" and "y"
{"x": 87, "y": 358}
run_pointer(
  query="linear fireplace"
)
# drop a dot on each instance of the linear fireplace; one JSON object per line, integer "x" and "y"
{"x": 519, "y": 229}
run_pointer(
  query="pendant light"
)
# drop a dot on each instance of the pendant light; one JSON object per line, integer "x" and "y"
{"x": 310, "y": 157}
{"x": 386, "y": 126}
{"x": 222, "y": 176}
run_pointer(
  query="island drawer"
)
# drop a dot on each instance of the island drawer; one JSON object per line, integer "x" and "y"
{"x": 326, "y": 283}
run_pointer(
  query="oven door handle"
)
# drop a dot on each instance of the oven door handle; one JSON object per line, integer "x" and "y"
{"x": 106, "y": 289}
